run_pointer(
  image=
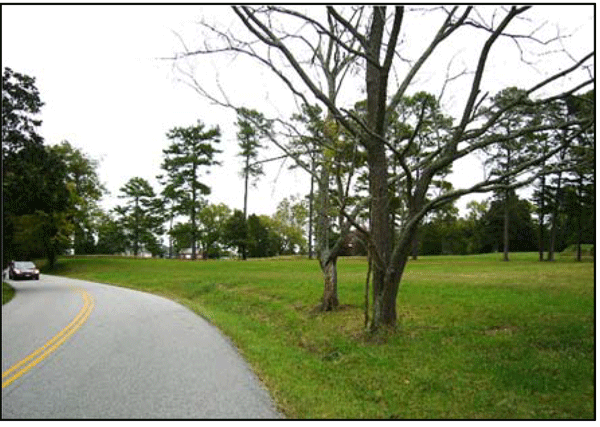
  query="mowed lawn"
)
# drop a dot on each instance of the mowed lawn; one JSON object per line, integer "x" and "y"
{"x": 477, "y": 338}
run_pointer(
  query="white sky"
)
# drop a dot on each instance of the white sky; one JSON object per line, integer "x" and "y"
{"x": 107, "y": 93}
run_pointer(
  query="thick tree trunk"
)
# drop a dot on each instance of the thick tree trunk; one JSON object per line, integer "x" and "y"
{"x": 384, "y": 309}
{"x": 330, "y": 298}
{"x": 384, "y": 302}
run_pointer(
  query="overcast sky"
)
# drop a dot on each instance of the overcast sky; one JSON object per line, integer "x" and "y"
{"x": 107, "y": 92}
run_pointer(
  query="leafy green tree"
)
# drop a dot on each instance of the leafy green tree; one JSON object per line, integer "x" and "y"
{"x": 181, "y": 236}
{"x": 191, "y": 149}
{"x": 85, "y": 190}
{"x": 235, "y": 233}
{"x": 288, "y": 222}
{"x": 212, "y": 220}
{"x": 21, "y": 103}
{"x": 511, "y": 151}
{"x": 140, "y": 217}
{"x": 33, "y": 177}
{"x": 112, "y": 238}
{"x": 521, "y": 236}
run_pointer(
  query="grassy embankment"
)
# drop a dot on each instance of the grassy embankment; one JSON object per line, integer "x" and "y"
{"x": 477, "y": 337}
{"x": 8, "y": 292}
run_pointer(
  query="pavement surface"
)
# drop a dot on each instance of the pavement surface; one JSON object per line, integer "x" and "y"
{"x": 73, "y": 349}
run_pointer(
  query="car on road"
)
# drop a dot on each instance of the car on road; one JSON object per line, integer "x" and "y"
{"x": 23, "y": 270}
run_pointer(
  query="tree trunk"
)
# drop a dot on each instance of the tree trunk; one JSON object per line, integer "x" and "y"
{"x": 555, "y": 214}
{"x": 170, "y": 235}
{"x": 136, "y": 232}
{"x": 384, "y": 308}
{"x": 541, "y": 217}
{"x": 506, "y": 208}
{"x": 310, "y": 217}
{"x": 384, "y": 302}
{"x": 246, "y": 176}
{"x": 327, "y": 260}
{"x": 330, "y": 298}
{"x": 505, "y": 234}
{"x": 415, "y": 247}
{"x": 579, "y": 215}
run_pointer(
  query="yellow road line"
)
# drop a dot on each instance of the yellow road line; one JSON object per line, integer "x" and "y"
{"x": 55, "y": 342}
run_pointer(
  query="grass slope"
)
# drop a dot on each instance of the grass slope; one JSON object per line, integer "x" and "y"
{"x": 8, "y": 292}
{"x": 477, "y": 338}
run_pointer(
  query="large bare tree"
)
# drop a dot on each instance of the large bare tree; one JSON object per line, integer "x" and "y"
{"x": 288, "y": 41}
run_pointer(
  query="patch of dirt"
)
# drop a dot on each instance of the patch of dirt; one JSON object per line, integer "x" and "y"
{"x": 500, "y": 330}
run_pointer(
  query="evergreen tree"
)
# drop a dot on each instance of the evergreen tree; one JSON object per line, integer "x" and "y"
{"x": 191, "y": 149}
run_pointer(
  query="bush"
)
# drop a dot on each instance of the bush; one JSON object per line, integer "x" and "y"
{"x": 586, "y": 250}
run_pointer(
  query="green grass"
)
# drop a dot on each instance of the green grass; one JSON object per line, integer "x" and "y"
{"x": 8, "y": 292}
{"x": 477, "y": 338}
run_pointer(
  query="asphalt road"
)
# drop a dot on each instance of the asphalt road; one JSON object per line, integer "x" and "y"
{"x": 80, "y": 350}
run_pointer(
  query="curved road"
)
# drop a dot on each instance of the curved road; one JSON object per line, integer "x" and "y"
{"x": 80, "y": 350}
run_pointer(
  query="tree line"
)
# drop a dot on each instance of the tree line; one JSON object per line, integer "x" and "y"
{"x": 379, "y": 167}
{"x": 52, "y": 195}
{"x": 559, "y": 213}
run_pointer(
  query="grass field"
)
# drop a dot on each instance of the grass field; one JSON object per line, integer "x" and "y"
{"x": 477, "y": 338}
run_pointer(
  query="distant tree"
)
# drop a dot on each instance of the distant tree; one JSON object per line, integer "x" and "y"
{"x": 521, "y": 236}
{"x": 511, "y": 151}
{"x": 212, "y": 220}
{"x": 288, "y": 222}
{"x": 191, "y": 149}
{"x": 140, "y": 217}
{"x": 236, "y": 231}
{"x": 181, "y": 236}
{"x": 252, "y": 127}
{"x": 85, "y": 191}
{"x": 583, "y": 172}
{"x": 112, "y": 238}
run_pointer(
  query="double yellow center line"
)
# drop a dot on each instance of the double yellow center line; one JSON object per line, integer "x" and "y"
{"x": 44, "y": 351}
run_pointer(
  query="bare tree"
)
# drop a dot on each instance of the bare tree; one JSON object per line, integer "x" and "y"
{"x": 282, "y": 39}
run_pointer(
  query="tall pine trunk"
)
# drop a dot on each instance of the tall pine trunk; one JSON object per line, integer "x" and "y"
{"x": 541, "y": 216}
{"x": 246, "y": 177}
{"x": 193, "y": 213}
{"x": 555, "y": 214}
{"x": 579, "y": 215}
{"x": 505, "y": 236}
{"x": 310, "y": 217}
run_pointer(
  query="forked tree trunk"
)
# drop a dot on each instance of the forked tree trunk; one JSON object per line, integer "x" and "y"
{"x": 330, "y": 299}
{"x": 388, "y": 285}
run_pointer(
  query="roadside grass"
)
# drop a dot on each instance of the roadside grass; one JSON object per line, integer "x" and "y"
{"x": 477, "y": 338}
{"x": 8, "y": 292}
